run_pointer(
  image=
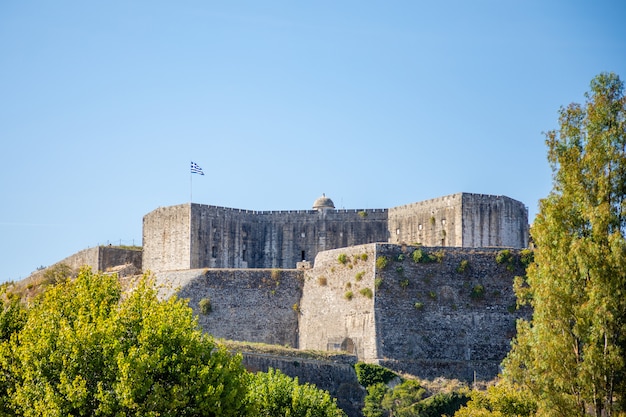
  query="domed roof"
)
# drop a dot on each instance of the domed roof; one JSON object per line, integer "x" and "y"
{"x": 323, "y": 203}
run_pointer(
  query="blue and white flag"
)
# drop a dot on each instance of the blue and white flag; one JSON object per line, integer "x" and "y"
{"x": 195, "y": 169}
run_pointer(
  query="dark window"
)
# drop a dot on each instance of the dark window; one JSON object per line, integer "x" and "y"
{"x": 214, "y": 252}
{"x": 303, "y": 257}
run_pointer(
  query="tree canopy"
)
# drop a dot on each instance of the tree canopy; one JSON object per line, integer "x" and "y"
{"x": 85, "y": 349}
{"x": 571, "y": 354}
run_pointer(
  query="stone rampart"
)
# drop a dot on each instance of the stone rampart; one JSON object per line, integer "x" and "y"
{"x": 453, "y": 316}
{"x": 104, "y": 258}
{"x": 253, "y": 305}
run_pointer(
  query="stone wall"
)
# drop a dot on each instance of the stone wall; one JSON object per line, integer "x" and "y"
{"x": 104, "y": 259}
{"x": 453, "y": 317}
{"x": 253, "y": 305}
{"x": 337, "y": 307}
{"x": 435, "y": 222}
{"x": 166, "y": 239}
{"x": 193, "y": 236}
{"x": 233, "y": 238}
{"x": 494, "y": 221}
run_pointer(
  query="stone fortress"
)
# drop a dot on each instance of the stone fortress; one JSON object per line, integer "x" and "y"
{"x": 191, "y": 236}
{"x": 424, "y": 289}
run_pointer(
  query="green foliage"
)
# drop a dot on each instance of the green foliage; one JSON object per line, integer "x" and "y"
{"x": 348, "y": 295}
{"x": 432, "y": 295}
{"x": 463, "y": 265}
{"x": 400, "y": 257}
{"x": 370, "y": 374}
{"x": 502, "y": 400}
{"x": 478, "y": 292}
{"x": 418, "y": 305}
{"x": 527, "y": 257}
{"x": 404, "y": 283}
{"x": 421, "y": 256}
{"x": 296, "y": 307}
{"x": 504, "y": 257}
{"x": 342, "y": 258}
{"x": 276, "y": 394}
{"x": 363, "y": 213}
{"x": 572, "y": 352}
{"x": 367, "y": 292}
{"x": 382, "y": 262}
{"x": 86, "y": 350}
{"x": 359, "y": 276}
{"x": 400, "y": 270}
{"x": 378, "y": 282}
{"x": 408, "y": 400}
{"x": 364, "y": 256}
{"x": 205, "y": 306}
{"x": 373, "y": 401}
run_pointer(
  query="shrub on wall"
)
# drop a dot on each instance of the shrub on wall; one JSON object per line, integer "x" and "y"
{"x": 382, "y": 262}
{"x": 364, "y": 256}
{"x": 527, "y": 256}
{"x": 420, "y": 256}
{"x": 342, "y": 258}
{"x": 359, "y": 276}
{"x": 348, "y": 295}
{"x": 478, "y": 292}
{"x": 321, "y": 280}
{"x": 205, "y": 306}
{"x": 378, "y": 282}
{"x": 367, "y": 292}
{"x": 462, "y": 266}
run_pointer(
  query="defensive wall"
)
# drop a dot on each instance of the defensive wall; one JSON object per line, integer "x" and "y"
{"x": 453, "y": 316}
{"x": 191, "y": 236}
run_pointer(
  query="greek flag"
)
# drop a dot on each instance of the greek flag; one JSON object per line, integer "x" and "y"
{"x": 195, "y": 169}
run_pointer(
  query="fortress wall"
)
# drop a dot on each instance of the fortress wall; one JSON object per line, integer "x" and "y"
{"x": 231, "y": 238}
{"x": 87, "y": 257}
{"x": 253, "y": 305}
{"x": 166, "y": 239}
{"x": 330, "y": 321}
{"x": 102, "y": 258}
{"x": 110, "y": 256}
{"x": 490, "y": 221}
{"x": 435, "y": 222}
{"x": 338, "y": 377}
{"x": 448, "y": 332}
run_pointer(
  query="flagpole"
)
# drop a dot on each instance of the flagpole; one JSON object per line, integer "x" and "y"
{"x": 190, "y": 187}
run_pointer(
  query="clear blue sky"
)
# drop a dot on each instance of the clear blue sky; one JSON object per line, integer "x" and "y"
{"x": 377, "y": 104}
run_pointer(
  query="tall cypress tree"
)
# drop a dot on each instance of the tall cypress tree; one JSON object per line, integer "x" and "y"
{"x": 571, "y": 354}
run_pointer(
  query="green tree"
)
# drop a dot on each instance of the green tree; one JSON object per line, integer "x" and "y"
{"x": 12, "y": 319}
{"x": 87, "y": 350}
{"x": 571, "y": 354}
{"x": 276, "y": 394}
{"x": 502, "y": 400}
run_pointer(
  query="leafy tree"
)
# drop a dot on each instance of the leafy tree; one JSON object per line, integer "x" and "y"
{"x": 12, "y": 319}
{"x": 571, "y": 354}
{"x": 86, "y": 350}
{"x": 408, "y": 400}
{"x": 502, "y": 400}
{"x": 374, "y": 399}
{"x": 276, "y": 394}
